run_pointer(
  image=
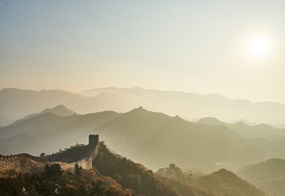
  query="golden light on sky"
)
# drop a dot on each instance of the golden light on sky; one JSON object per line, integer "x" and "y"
{"x": 258, "y": 47}
{"x": 235, "y": 48}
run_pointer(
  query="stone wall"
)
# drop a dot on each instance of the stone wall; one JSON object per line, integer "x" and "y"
{"x": 87, "y": 162}
{"x": 26, "y": 163}
{"x": 23, "y": 155}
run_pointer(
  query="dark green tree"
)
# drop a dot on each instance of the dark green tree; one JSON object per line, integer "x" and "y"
{"x": 77, "y": 170}
{"x": 53, "y": 171}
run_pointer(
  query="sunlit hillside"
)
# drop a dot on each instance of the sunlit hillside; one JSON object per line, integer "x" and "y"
{"x": 193, "y": 84}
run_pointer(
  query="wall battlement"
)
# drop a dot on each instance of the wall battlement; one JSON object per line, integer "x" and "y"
{"x": 23, "y": 155}
{"x": 84, "y": 161}
{"x": 92, "y": 153}
{"x": 93, "y": 140}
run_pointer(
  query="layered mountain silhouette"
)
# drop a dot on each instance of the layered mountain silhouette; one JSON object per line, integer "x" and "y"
{"x": 268, "y": 176}
{"x": 140, "y": 179}
{"x": 4, "y": 121}
{"x": 152, "y": 138}
{"x": 272, "y": 168}
{"x": 263, "y": 131}
{"x": 49, "y": 132}
{"x": 111, "y": 174}
{"x": 221, "y": 182}
{"x": 194, "y": 106}
{"x": 16, "y": 104}
{"x": 59, "y": 110}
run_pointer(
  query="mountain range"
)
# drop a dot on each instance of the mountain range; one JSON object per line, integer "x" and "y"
{"x": 195, "y": 106}
{"x": 111, "y": 174}
{"x": 151, "y": 138}
{"x": 248, "y": 130}
{"x": 4, "y": 121}
{"x": 268, "y": 176}
{"x": 221, "y": 182}
{"x": 16, "y": 104}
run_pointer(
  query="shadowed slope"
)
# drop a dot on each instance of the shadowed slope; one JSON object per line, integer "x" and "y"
{"x": 48, "y": 129}
{"x": 225, "y": 183}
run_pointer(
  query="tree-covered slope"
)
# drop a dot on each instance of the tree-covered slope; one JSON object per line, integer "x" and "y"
{"x": 221, "y": 182}
{"x": 136, "y": 177}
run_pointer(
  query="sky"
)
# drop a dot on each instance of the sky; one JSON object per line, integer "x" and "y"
{"x": 184, "y": 45}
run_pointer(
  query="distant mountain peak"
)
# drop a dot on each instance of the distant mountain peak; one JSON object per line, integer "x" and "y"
{"x": 59, "y": 110}
{"x": 210, "y": 121}
{"x": 216, "y": 95}
{"x": 245, "y": 122}
{"x": 223, "y": 171}
{"x": 263, "y": 125}
{"x": 240, "y": 123}
{"x": 61, "y": 106}
{"x": 138, "y": 109}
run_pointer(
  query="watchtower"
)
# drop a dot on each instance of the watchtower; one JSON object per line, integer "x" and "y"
{"x": 93, "y": 140}
{"x": 172, "y": 166}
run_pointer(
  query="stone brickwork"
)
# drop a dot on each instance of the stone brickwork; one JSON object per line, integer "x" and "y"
{"x": 27, "y": 163}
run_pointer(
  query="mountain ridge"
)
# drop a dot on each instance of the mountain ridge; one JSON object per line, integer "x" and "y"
{"x": 266, "y": 175}
{"x": 244, "y": 109}
{"x": 187, "y": 105}
{"x": 59, "y": 110}
{"x": 261, "y": 130}
{"x": 175, "y": 91}
{"x": 152, "y": 138}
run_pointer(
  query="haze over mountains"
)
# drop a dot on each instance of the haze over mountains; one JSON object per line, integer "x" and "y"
{"x": 59, "y": 110}
{"x": 195, "y": 106}
{"x": 4, "y": 120}
{"x": 267, "y": 176}
{"x": 221, "y": 182}
{"x": 151, "y": 138}
{"x": 16, "y": 104}
{"x": 248, "y": 131}
{"x": 48, "y": 121}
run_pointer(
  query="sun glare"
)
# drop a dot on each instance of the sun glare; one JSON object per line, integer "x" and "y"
{"x": 258, "y": 47}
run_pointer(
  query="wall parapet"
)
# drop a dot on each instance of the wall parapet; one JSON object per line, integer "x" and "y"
{"x": 23, "y": 155}
{"x": 85, "y": 160}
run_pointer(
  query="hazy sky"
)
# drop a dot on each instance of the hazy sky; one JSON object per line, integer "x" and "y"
{"x": 196, "y": 46}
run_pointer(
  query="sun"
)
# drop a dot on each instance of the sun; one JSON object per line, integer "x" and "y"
{"x": 258, "y": 47}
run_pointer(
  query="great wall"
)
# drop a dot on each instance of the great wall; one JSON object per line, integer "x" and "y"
{"x": 27, "y": 163}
